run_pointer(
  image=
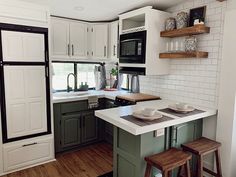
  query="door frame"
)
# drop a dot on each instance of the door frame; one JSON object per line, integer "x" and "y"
{"x": 27, "y": 29}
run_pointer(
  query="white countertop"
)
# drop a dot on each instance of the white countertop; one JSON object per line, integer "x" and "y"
{"x": 113, "y": 116}
{"x": 60, "y": 97}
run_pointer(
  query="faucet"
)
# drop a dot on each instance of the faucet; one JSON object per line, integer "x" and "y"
{"x": 68, "y": 85}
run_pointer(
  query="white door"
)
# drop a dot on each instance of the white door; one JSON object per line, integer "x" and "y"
{"x": 23, "y": 47}
{"x": 78, "y": 40}
{"x": 99, "y": 41}
{"x": 60, "y": 39}
{"x": 25, "y": 95}
{"x": 113, "y": 48}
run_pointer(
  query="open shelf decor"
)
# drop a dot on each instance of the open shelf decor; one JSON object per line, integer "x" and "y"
{"x": 194, "y": 30}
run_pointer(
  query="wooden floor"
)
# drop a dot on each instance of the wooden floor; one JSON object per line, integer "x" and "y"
{"x": 91, "y": 161}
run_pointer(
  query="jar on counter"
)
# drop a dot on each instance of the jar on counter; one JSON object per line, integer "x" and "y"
{"x": 191, "y": 44}
{"x": 182, "y": 20}
{"x": 170, "y": 24}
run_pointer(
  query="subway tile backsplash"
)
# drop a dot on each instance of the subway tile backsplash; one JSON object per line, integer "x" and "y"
{"x": 194, "y": 81}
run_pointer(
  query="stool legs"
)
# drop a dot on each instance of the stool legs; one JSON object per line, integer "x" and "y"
{"x": 200, "y": 166}
{"x": 165, "y": 174}
{"x": 187, "y": 169}
{"x": 179, "y": 172}
{"x": 187, "y": 172}
{"x": 218, "y": 163}
{"x": 148, "y": 170}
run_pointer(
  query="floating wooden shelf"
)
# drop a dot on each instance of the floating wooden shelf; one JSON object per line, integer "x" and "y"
{"x": 197, "y": 54}
{"x": 194, "y": 30}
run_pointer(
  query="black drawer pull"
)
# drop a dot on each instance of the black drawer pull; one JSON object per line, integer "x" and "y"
{"x": 31, "y": 144}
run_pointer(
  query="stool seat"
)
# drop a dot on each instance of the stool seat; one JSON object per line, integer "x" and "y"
{"x": 169, "y": 159}
{"x": 201, "y": 146}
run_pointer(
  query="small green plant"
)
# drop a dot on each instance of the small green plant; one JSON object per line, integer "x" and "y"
{"x": 114, "y": 71}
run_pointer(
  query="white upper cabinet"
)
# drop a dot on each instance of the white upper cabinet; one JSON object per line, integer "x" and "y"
{"x": 75, "y": 40}
{"x": 69, "y": 39}
{"x": 25, "y": 47}
{"x": 78, "y": 39}
{"x": 113, "y": 40}
{"x": 99, "y": 41}
{"x": 60, "y": 40}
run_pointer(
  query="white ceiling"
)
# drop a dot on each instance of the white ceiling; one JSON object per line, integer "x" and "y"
{"x": 99, "y": 10}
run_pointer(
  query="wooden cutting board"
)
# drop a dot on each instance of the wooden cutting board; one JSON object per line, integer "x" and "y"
{"x": 137, "y": 97}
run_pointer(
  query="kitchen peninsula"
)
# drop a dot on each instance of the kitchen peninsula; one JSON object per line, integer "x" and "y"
{"x": 133, "y": 142}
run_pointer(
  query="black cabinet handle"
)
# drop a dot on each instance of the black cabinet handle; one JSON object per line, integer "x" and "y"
{"x": 72, "y": 50}
{"x": 68, "y": 48}
{"x": 114, "y": 50}
{"x": 31, "y": 144}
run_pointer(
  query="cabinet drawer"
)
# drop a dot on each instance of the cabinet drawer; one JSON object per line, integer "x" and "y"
{"x": 74, "y": 107}
{"x": 27, "y": 153}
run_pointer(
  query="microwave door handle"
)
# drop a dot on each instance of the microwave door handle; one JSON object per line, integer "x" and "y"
{"x": 128, "y": 40}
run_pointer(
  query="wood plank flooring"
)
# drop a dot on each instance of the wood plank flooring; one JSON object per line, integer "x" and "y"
{"x": 90, "y": 161}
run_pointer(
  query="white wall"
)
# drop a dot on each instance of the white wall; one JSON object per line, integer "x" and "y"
{"x": 226, "y": 129}
{"x": 231, "y": 4}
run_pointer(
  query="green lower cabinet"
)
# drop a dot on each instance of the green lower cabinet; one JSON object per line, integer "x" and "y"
{"x": 70, "y": 130}
{"x": 130, "y": 150}
{"x": 185, "y": 133}
{"x": 90, "y": 127}
{"x": 75, "y": 126}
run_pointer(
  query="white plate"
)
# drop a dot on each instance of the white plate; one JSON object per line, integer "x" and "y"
{"x": 174, "y": 108}
{"x": 139, "y": 115}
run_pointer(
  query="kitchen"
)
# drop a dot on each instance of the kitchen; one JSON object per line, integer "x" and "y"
{"x": 74, "y": 66}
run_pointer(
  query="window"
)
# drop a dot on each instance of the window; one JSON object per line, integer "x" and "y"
{"x": 125, "y": 81}
{"x": 83, "y": 71}
{"x": 60, "y": 73}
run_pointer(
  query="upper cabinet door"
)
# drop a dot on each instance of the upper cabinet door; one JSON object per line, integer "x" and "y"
{"x": 60, "y": 41}
{"x": 99, "y": 41}
{"x": 113, "y": 48}
{"x": 78, "y": 40}
{"x": 23, "y": 47}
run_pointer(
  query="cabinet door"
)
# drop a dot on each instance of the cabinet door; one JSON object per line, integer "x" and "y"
{"x": 78, "y": 40}
{"x": 113, "y": 48}
{"x": 99, "y": 41}
{"x": 25, "y": 91}
{"x": 23, "y": 47}
{"x": 186, "y": 132}
{"x": 90, "y": 132}
{"x": 60, "y": 33}
{"x": 70, "y": 130}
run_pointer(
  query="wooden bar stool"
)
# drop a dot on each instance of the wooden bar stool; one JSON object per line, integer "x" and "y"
{"x": 201, "y": 147}
{"x": 167, "y": 161}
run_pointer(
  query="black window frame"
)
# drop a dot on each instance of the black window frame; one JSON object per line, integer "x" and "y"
{"x": 75, "y": 72}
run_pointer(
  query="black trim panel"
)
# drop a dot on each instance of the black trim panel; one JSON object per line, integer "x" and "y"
{"x": 24, "y": 63}
{"x": 28, "y": 29}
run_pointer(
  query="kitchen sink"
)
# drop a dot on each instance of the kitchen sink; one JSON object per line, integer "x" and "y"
{"x": 70, "y": 94}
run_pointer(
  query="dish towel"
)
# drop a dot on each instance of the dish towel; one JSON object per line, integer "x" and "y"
{"x": 92, "y": 102}
{"x": 100, "y": 77}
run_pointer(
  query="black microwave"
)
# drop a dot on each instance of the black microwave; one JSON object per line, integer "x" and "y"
{"x": 133, "y": 47}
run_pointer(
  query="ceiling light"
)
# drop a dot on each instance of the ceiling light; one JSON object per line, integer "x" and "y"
{"x": 79, "y": 8}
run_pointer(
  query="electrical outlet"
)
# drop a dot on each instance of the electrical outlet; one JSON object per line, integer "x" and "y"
{"x": 160, "y": 132}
